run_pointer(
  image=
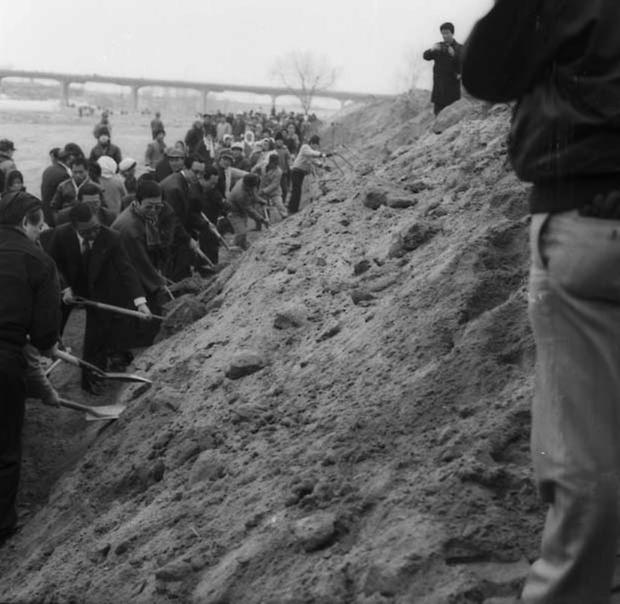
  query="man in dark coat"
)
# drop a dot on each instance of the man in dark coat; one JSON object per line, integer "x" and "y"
{"x": 67, "y": 192}
{"x": 57, "y": 172}
{"x": 157, "y": 125}
{"x": 171, "y": 163}
{"x": 180, "y": 192}
{"x": 104, "y": 146}
{"x": 214, "y": 208}
{"x": 447, "y": 69}
{"x": 28, "y": 311}
{"x": 93, "y": 264}
{"x": 147, "y": 230}
{"x": 92, "y": 196}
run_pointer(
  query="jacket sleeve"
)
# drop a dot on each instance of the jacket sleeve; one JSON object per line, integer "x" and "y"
{"x": 57, "y": 199}
{"x": 148, "y": 156}
{"x": 505, "y": 51}
{"x": 126, "y": 272}
{"x": 429, "y": 55}
{"x": 135, "y": 250}
{"x": 55, "y": 250}
{"x": 45, "y": 322}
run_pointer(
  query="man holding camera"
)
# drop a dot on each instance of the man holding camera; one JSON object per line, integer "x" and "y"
{"x": 447, "y": 69}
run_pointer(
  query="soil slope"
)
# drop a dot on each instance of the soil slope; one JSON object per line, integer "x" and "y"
{"x": 349, "y": 420}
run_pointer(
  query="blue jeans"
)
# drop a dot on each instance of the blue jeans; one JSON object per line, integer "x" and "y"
{"x": 574, "y": 306}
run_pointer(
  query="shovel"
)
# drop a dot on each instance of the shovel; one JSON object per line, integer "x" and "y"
{"x": 105, "y": 412}
{"x": 120, "y": 376}
{"x": 116, "y": 309}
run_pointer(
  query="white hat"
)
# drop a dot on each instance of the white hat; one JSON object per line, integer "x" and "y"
{"x": 108, "y": 166}
{"x": 127, "y": 164}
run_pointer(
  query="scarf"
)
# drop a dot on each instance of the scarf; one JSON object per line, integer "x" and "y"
{"x": 151, "y": 224}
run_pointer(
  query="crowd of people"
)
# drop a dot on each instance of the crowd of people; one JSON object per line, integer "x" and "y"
{"x": 120, "y": 233}
{"x": 109, "y": 230}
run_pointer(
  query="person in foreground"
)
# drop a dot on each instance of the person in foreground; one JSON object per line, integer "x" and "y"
{"x": 561, "y": 62}
{"x": 29, "y": 313}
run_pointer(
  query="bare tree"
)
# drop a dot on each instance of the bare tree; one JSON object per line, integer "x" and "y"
{"x": 305, "y": 74}
{"x": 411, "y": 73}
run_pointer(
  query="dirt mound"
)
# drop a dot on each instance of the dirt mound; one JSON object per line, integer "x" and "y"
{"x": 349, "y": 420}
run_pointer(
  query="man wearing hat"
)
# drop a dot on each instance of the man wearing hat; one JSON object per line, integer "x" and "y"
{"x": 7, "y": 148}
{"x": 240, "y": 161}
{"x": 127, "y": 169}
{"x": 446, "y": 70}
{"x": 29, "y": 311}
{"x": 104, "y": 147}
{"x": 171, "y": 163}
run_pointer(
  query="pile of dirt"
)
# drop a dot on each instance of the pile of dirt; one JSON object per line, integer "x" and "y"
{"x": 348, "y": 422}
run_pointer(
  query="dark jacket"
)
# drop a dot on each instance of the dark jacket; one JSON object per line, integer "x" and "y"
{"x": 162, "y": 169}
{"x": 52, "y": 177}
{"x": 446, "y": 73}
{"x": 155, "y": 152}
{"x": 29, "y": 304}
{"x": 148, "y": 262}
{"x": 182, "y": 198}
{"x": 67, "y": 192}
{"x": 108, "y": 276}
{"x": 561, "y": 60}
{"x": 110, "y": 150}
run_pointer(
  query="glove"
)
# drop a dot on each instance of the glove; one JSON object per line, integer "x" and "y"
{"x": 67, "y": 296}
{"x": 145, "y": 310}
{"x": 51, "y": 399}
{"x": 328, "y": 154}
{"x": 50, "y": 353}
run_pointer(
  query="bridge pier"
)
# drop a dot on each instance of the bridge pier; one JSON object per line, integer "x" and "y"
{"x": 274, "y": 98}
{"x": 134, "y": 97}
{"x": 64, "y": 92}
{"x": 205, "y": 94}
{"x": 342, "y": 104}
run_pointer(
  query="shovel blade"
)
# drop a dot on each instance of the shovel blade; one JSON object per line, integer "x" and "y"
{"x": 105, "y": 412}
{"x": 125, "y": 377}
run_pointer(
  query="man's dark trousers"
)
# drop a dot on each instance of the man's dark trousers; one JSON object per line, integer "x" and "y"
{"x": 297, "y": 181}
{"x": 12, "y": 405}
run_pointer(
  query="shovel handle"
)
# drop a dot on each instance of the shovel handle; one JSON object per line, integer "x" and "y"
{"x": 117, "y": 309}
{"x": 76, "y": 362}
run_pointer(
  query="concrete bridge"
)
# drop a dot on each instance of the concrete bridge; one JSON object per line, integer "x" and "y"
{"x": 134, "y": 84}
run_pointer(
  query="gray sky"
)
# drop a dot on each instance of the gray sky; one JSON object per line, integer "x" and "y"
{"x": 228, "y": 42}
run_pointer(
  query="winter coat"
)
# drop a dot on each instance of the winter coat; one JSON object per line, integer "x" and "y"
{"x": 562, "y": 62}
{"x": 446, "y": 73}
{"x": 110, "y": 150}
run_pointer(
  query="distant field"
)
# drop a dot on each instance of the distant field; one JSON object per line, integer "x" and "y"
{"x": 35, "y": 133}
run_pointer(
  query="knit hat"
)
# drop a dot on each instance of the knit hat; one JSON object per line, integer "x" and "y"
{"x": 6, "y": 145}
{"x": 108, "y": 166}
{"x": 103, "y": 130}
{"x": 127, "y": 164}
{"x": 15, "y": 206}
{"x": 174, "y": 152}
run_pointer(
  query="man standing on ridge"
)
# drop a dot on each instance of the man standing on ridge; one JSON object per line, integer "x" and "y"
{"x": 446, "y": 70}
{"x": 561, "y": 62}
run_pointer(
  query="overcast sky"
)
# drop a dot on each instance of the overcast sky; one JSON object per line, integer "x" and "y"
{"x": 228, "y": 42}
